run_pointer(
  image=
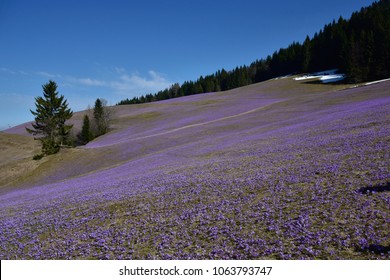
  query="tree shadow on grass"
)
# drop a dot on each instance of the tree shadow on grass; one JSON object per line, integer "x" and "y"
{"x": 375, "y": 189}
{"x": 376, "y": 249}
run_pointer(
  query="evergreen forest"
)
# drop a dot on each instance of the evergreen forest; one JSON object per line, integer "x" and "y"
{"x": 358, "y": 47}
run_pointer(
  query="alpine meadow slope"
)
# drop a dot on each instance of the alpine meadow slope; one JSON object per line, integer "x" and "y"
{"x": 282, "y": 169}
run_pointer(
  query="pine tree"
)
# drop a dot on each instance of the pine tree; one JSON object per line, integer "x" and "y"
{"x": 306, "y": 55}
{"x": 51, "y": 114}
{"x": 86, "y": 133}
{"x": 102, "y": 116}
{"x": 98, "y": 117}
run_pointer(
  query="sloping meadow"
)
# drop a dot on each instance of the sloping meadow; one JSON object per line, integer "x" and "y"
{"x": 290, "y": 177}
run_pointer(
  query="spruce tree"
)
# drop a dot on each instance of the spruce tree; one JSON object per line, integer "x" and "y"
{"x": 98, "y": 114}
{"x": 51, "y": 114}
{"x": 86, "y": 134}
{"x": 102, "y": 116}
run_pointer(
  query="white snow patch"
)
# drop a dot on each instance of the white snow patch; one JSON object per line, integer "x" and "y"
{"x": 332, "y": 78}
{"x": 377, "y": 82}
{"x": 306, "y": 77}
{"x": 328, "y": 76}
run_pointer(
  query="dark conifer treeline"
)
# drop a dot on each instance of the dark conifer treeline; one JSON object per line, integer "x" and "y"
{"x": 358, "y": 47}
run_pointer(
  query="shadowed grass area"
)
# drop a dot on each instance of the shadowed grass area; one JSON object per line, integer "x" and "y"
{"x": 375, "y": 189}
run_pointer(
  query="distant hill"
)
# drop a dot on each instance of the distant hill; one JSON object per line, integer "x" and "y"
{"x": 358, "y": 47}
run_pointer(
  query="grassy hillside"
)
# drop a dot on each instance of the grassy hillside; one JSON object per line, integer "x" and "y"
{"x": 16, "y": 152}
{"x": 279, "y": 169}
{"x": 159, "y": 122}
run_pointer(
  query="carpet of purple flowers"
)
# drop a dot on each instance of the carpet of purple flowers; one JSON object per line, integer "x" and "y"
{"x": 300, "y": 177}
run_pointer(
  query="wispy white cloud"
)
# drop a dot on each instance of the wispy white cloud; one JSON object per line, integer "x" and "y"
{"x": 91, "y": 82}
{"x": 13, "y": 72}
{"x": 119, "y": 70}
{"x": 72, "y": 81}
{"x": 24, "y": 73}
{"x": 48, "y": 75}
{"x": 137, "y": 84}
{"x": 119, "y": 81}
{"x": 6, "y": 70}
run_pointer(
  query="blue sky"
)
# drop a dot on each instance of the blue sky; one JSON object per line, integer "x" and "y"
{"x": 116, "y": 49}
